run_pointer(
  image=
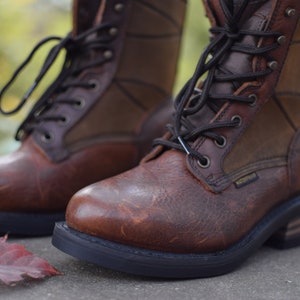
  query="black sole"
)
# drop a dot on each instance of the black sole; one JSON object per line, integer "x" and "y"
{"x": 167, "y": 265}
{"x": 29, "y": 224}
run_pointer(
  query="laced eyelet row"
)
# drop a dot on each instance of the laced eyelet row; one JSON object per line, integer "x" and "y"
{"x": 188, "y": 103}
{"x": 79, "y": 104}
{"x": 281, "y": 40}
{"x": 205, "y": 162}
{"x": 113, "y": 31}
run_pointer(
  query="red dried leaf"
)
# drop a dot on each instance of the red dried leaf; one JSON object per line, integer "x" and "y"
{"x": 17, "y": 262}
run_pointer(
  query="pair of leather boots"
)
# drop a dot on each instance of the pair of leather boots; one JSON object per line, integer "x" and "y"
{"x": 222, "y": 181}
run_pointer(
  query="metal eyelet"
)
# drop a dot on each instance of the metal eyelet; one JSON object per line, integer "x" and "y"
{"x": 46, "y": 138}
{"x": 108, "y": 54}
{"x": 273, "y": 65}
{"x": 113, "y": 31}
{"x": 281, "y": 40}
{"x": 254, "y": 99}
{"x": 119, "y": 7}
{"x": 64, "y": 121}
{"x": 223, "y": 142}
{"x": 94, "y": 84}
{"x": 205, "y": 163}
{"x": 80, "y": 103}
{"x": 237, "y": 119}
{"x": 290, "y": 12}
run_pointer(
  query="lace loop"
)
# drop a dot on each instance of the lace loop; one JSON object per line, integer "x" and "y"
{"x": 20, "y": 69}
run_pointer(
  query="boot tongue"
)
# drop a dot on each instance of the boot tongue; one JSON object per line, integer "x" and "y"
{"x": 254, "y": 18}
{"x": 85, "y": 14}
{"x": 217, "y": 16}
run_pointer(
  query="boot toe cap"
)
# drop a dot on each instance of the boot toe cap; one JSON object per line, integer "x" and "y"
{"x": 85, "y": 210}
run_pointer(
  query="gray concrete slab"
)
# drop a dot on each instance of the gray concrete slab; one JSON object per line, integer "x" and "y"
{"x": 268, "y": 275}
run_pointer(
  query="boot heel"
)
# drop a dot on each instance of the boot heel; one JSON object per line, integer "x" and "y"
{"x": 286, "y": 237}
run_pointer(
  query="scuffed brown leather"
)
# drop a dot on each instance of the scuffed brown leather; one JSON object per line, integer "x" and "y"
{"x": 30, "y": 182}
{"x": 169, "y": 203}
{"x": 160, "y": 206}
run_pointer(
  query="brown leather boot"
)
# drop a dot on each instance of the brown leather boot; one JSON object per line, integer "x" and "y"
{"x": 100, "y": 116}
{"x": 226, "y": 178}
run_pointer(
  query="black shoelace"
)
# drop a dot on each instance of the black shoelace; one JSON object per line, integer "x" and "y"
{"x": 191, "y": 100}
{"x": 75, "y": 47}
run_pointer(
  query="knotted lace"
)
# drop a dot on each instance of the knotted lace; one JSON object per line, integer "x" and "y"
{"x": 95, "y": 39}
{"x": 191, "y": 100}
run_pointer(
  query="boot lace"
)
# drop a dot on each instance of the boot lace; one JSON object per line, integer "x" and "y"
{"x": 191, "y": 100}
{"x": 91, "y": 41}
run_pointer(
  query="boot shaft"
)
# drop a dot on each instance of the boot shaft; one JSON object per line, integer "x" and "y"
{"x": 143, "y": 74}
{"x": 127, "y": 57}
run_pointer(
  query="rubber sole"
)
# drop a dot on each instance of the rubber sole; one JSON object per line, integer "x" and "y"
{"x": 29, "y": 224}
{"x": 167, "y": 265}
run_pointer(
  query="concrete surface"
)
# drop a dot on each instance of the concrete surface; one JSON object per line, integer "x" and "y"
{"x": 268, "y": 275}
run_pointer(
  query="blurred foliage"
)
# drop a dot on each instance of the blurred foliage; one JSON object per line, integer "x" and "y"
{"x": 195, "y": 38}
{"x": 25, "y": 22}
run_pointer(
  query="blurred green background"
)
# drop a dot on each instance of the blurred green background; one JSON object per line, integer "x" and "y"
{"x": 25, "y": 22}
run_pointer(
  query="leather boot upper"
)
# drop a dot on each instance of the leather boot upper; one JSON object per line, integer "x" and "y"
{"x": 232, "y": 151}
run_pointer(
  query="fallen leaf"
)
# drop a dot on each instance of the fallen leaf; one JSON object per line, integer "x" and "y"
{"x": 17, "y": 262}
